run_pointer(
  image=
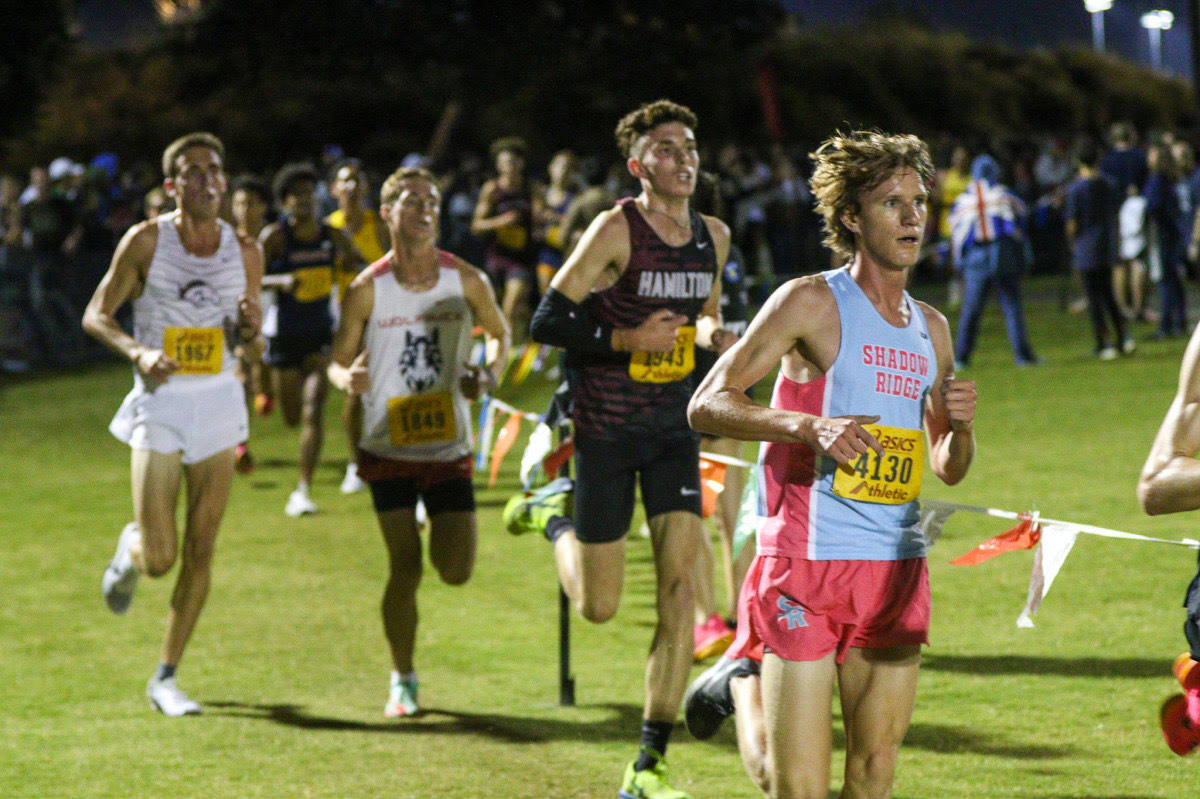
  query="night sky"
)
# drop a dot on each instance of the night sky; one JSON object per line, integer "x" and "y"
{"x": 1019, "y": 23}
{"x": 1033, "y": 23}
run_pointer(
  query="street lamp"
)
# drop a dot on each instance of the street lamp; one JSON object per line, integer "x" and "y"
{"x": 1097, "y": 8}
{"x": 1155, "y": 22}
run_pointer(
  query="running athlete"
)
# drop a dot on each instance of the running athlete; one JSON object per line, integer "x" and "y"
{"x": 369, "y": 234}
{"x": 402, "y": 345}
{"x": 303, "y": 256}
{"x": 564, "y": 176}
{"x": 508, "y": 209}
{"x": 838, "y": 591}
{"x": 632, "y": 302}
{"x": 194, "y": 285}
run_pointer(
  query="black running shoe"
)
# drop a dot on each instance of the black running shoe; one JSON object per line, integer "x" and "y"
{"x": 708, "y": 701}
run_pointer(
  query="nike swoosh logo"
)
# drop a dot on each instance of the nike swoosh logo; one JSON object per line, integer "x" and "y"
{"x": 700, "y": 245}
{"x": 688, "y": 492}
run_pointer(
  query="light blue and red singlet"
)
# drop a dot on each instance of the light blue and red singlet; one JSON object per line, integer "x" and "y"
{"x": 810, "y": 509}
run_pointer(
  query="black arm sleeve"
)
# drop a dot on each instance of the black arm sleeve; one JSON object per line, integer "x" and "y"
{"x": 563, "y": 323}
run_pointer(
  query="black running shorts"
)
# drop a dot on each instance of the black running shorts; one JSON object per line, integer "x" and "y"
{"x": 668, "y": 471}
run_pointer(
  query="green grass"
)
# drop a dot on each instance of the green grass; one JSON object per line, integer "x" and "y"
{"x": 290, "y": 663}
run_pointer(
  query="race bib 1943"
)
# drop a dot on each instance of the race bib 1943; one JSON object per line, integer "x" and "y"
{"x": 198, "y": 350}
{"x": 892, "y": 478}
{"x": 666, "y": 367}
{"x": 422, "y": 419}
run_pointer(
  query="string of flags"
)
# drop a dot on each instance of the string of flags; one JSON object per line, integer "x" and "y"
{"x": 1053, "y": 539}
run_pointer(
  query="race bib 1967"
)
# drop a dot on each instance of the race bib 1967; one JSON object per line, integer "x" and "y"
{"x": 198, "y": 350}
{"x": 421, "y": 419}
{"x": 666, "y": 367}
{"x": 892, "y": 478}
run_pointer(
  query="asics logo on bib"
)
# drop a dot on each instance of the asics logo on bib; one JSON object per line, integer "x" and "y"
{"x": 675, "y": 285}
{"x": 791, "y": 612}
{"x": 897, "y": 443}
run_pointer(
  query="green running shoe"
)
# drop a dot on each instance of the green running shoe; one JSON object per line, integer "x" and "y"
{"x": 526, "y": 513}
{"x": 402, "y": 699}
{"x": 649, "y": 784}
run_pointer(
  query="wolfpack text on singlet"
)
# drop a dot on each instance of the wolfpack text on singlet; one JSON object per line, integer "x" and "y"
{"x": 808, "y": 506}
{"x": 624, "y": 395}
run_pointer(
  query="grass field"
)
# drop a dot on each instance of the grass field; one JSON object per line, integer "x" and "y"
{"x": 290, "y": 663}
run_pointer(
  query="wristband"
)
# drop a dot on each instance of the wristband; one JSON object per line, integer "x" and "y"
{"x": 561, "y": 322}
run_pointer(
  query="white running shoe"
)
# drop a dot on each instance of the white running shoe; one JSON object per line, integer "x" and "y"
{"x": 299, "y": 504}
{"x": 167, "y": 698}
{"x": 352, "y": 483}
{"x": 402, "y": 699}
{"x": 120, "y": 578}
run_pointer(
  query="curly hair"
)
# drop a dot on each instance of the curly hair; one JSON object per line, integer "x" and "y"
{"x": 852, "y": 164}
{"x": 199, "y": 139}
{"x": 394, "y": 185}
{"x": 638, "y": 123}
{"x": 291, "y": 174}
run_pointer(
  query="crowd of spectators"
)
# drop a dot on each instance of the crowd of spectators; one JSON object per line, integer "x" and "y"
{"x": 59, "y": 226}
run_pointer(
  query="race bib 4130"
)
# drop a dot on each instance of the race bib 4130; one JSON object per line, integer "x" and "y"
{"x": 892, "y": 478}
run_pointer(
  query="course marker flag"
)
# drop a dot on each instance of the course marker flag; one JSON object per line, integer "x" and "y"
{"x": 1052, "y": 537}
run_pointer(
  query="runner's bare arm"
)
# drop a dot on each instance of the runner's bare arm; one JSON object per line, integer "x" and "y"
{"x": 483, "y": 221}
{"x": 348, "y": 366}
{"x": 249, "y": 326}
{"x": 271, "y": 240}
{"x": 596, "y": 263}
{"x": 797, "y": 312}
{"x": 479, "y": 294}
{"x": 709, "y": 333}
{"x": 1170, "y": 480}
{"x": 123, "y": 281}
{"x": 950, "y": 409}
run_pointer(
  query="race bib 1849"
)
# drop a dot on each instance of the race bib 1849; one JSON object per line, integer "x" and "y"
{"x": 892, "y": 478}
{"x": 666, "y": 367}
{"x": 198, "y": 350}
{"x": 422, "y": 419}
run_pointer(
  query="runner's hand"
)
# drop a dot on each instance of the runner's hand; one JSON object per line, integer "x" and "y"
{"x": 358, "y": 377}
{"x": 249, "y": 317}
{"x": 959, "y": 397}
{"x": 156, "y": 365}
{"x": 475, "y": 380}
{"x": 656, "y": 333}
{"x": 843, "y": 438}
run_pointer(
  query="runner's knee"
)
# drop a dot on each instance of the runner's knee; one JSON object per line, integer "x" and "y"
{"x": 598, "y": 608}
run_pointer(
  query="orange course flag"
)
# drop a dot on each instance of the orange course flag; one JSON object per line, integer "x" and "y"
{"x": 1024, "y": 536}
{"x": 504, "y": 442}
{"x": 712, "y": 483}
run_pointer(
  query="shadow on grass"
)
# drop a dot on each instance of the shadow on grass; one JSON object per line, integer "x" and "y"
{"x": 1132, "y": 668}
{"x": 622, "y": 724}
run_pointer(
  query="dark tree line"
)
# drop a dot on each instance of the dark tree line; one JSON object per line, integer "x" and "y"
{"x": 277, "y": 80}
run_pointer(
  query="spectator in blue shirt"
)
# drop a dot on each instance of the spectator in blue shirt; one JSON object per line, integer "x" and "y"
{"x": 1091, "y": 223}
